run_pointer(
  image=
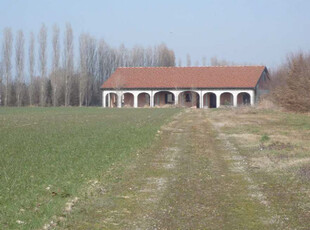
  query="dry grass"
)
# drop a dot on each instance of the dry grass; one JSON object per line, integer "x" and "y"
{"x": 276, "y": 147}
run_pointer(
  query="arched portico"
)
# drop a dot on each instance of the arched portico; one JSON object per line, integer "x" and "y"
{"x": 209, "y": 100}
{"x": 127, "y": 100}
{"x": 162, "y": 98}
{"x": 200, "y": 98}
{"x": 243, "y": 99}
{"x": 227, "y": 99}
{"x": 189, "y": 99}
{"x": 144, "y": 100}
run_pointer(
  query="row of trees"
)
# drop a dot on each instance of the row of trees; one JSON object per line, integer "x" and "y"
{"x": 65, "y": 79}
{"x": 214, "y": 61}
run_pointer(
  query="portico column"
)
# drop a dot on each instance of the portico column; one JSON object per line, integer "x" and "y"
{"x": 151, "y": 99}
{"x": 235, "y": 98}
{"x": 176, "y": 99}
{"x": 109, "y": 100}
{"x": 201, "y": 100}
{"x": 119, "y": 100}
{"x": 218, "y": 100}
{"x": 135, "y": 101}
{"x": 252, "y": 98}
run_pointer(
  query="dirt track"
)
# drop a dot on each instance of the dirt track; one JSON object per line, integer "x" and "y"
{"x": 191, "y": 178}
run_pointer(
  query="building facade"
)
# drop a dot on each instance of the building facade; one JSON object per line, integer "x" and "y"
{"x": 199, "y": 87}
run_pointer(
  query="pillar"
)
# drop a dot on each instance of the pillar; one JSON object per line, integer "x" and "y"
{"x": 176, "y": 99}
{"x": 151, "y": 99}
{"x": 235, "y": 98}
{"x": 109, "y": 100}
{"x": 135, "y": 100}
{"x": 252, "y": 97}
{"x": 119, "y": 100}
{"x": 201, "y": 100}
{"x": 218, "y": 100}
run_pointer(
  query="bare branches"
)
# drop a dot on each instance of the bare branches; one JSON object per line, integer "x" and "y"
{"x": 55, "y": 79}
{"x": 43, "y": 63}
{"x": 68, "y": 61}
{"x": 7, "y": 55}
{"x": 31, "y": 58}
{"x": 291, "y": 83}
{"x": 188, "y": 60}
{"x": 63, "y": 84}
{"x": 19, "y": 64}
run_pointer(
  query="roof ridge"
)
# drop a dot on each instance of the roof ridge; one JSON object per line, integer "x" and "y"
{"x": 166, "y": 67}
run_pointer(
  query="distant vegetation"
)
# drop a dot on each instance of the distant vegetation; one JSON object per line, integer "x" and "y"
{"x": 59, "y": 76}
{"x": 290, "y": 86}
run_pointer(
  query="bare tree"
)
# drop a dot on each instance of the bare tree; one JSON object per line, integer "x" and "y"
{"x": 166, "y": 56}
{"x": 68, "y": 61}
{"x": 204, "y": 61}
{"x": 180, "y": 62}
{"x": 19, "y": 63}
{"x": 83, "y": 68}
{"x": 188, "y": 60}
{"x": 43, "y": 63}
{"x": 31, "y": 57}
{"x": 55, "y": 69}
{"x": 137, "y": 56}
{"x": 217, "y": 62}
{"x": 7, "y": 55}
{"x": 88, "y": 60}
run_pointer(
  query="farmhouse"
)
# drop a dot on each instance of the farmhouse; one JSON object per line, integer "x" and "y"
{"x": 200, "y": 87}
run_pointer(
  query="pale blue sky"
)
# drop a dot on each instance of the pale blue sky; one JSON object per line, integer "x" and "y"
{"x": 242, "y": 31}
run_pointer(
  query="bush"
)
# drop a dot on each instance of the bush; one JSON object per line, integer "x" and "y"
{"x": 291, "y": 84}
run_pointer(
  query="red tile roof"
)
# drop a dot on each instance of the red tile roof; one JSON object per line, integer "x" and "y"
{"x": 185, "y": 77}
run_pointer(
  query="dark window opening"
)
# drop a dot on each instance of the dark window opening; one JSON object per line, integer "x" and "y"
{"x": 188, "y": 97}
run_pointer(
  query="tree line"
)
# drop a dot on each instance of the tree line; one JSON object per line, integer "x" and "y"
{"x": 61, "y": 77}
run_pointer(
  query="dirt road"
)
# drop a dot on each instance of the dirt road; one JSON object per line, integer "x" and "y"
{"x": 191, "y": 178}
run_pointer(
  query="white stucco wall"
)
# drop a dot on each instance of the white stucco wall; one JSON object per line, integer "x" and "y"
{"x": 176, "y": 93}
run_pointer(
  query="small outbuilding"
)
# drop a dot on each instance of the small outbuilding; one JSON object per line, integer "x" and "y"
{"x": 200, "y": 87}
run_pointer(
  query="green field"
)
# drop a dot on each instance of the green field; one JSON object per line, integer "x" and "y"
{"x": 48, "y": 155}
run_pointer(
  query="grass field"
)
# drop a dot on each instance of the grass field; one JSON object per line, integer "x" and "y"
{"x": 48, "y": 155}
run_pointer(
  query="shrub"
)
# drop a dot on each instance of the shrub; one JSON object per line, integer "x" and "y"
{"x": 291, "y": 84}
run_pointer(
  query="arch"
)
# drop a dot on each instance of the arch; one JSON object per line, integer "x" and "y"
{"x": 162, "y": 98}
{"x": 127, "y": 100}
{"x": 209, "y": 100}
{"x": 243, "y": 99}
{"x": 189, "y": 99}
{"x": 144, "y": 100}
{"x": 226, "y": 99}
{"x": 111, "y": 100}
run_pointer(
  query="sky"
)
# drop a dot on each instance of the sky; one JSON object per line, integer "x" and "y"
{"x": 246, "y": 32}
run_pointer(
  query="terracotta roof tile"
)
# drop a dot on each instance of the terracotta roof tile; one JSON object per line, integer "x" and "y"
{"x": 185, "y": 77}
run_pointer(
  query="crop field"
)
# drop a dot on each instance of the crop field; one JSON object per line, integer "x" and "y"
{"x": 48, "y": 155}
{"x": 94, "y": 168}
